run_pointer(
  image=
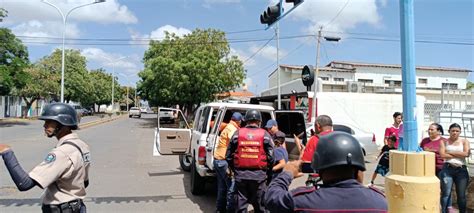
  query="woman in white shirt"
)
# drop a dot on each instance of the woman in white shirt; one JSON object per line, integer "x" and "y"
{"x": 454, "y": 151}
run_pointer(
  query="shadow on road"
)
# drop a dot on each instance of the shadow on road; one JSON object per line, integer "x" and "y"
{"x": 96, "y": 200}
{"x": 157, "y": 174}
{"x": 150, "y": 123}
{"x": 206, "y": 201}
{"x": 7, "y": 123}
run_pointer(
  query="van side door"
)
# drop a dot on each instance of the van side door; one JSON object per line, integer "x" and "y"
{"x": 292, "y": 123}
{"x": 171, "y": 138}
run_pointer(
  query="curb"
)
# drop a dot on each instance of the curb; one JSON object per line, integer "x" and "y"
{"x": 97, "y": 122}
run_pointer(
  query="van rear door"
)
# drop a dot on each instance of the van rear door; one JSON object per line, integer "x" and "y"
{"x": 292, "y": 123}
{"x": 172, "y": 136}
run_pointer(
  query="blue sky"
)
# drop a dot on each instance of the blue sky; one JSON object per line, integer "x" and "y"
{"x": 449, "y": 24}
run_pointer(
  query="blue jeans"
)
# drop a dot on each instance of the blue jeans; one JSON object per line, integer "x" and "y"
{"x": 460, "y": 177}
{"x": 223, "y": 185}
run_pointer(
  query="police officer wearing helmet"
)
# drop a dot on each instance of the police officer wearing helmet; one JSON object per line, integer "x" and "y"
{"x": 250, "y": 155}
{"x": 64, "y": 171}
{"x": 340, "y": 163}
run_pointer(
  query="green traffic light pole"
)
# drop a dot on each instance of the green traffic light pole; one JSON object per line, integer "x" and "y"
{"x": 271, "y": 16}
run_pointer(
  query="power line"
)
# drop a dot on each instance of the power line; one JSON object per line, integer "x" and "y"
{"x": 261, "y": 48}
{"x": 338, "y": 13}
{"x": 270, "y": 65}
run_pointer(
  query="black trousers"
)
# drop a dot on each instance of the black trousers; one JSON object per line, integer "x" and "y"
{"x": 250, "y": 192}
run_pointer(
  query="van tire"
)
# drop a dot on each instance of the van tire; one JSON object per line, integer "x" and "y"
{"x": 197, "y": 182}
{"x": 185, "y": 162}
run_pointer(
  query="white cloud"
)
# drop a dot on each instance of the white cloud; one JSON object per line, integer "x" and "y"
{"x": 128, "y": 66}
{"x": 268, "y": 52}
{"x": 159, "y": 33}
{"x": 208, "y": 3}
{"x": 243, "y": 56}
{"x": 321, "y": 13}
{"x": 35, "y": 28}
{"x": 108, "y": 12}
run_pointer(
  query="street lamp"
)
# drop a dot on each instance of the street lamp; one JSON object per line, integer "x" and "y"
{"x": 113, "y": 73}
{"x": 64, "y": 36}
{"x": 128, "y": 79}
{"x": 316, "y": 82}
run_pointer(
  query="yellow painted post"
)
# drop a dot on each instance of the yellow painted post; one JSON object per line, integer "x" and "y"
{"x": 412, "y": 185}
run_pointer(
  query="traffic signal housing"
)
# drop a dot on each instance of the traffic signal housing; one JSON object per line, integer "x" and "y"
{"x": 271, "y": 14}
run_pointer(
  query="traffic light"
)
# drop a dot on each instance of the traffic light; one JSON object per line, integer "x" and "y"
{"x": 271, "y": 14}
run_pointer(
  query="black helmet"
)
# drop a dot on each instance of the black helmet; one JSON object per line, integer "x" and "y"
{"x": 253, "y": 115}
{"x": 60, "y": 112}
{"x": 337, "y": 149}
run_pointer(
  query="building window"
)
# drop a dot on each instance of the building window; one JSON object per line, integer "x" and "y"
{"x": 450, "y": 86}
{"x": 325, "y": 78}
{"x": 338, "y": 79}
{"x": 365, "y": 80}
{"x": 393, "y": 83}
{"x": 422, "y": 81}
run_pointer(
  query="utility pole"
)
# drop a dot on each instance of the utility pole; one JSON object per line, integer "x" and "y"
{"x": 277, "y": 32}
{"x": 316, "y": 77}
{"x": 127, "y": 98}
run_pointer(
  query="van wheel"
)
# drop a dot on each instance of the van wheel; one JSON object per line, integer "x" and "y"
{"x": 185, "y": 162}
{"x": 197, "y": 182}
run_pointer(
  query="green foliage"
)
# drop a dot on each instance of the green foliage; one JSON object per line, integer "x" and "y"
{"x": 41, "y": 83}
{"x": 189, "y": 70}
{"x": 3, "y": 14}
{"x": 13, "y": 61}
{"x": 470, "y": 85}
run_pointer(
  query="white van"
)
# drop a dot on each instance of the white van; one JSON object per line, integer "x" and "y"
{"x": 196, "y": 145}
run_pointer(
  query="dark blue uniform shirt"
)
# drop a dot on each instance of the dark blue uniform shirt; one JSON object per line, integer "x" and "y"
{"x": 344, "y": 196}
{"x": 244, "y": 174}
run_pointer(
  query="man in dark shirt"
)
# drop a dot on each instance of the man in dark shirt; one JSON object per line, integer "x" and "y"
{"x": 250, "y": 155}
{"x": 339, "y": 161}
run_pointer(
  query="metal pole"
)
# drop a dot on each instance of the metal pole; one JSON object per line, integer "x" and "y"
{"x": 127, "y": 98}
{"x": 277, "y": 32}
{"x": 113, "y": 84}
{"x": 407, "y": 28}
{"x": 316, "y": 77}
{"x": 62, "y": 59}
{"x": 64, "y": 38}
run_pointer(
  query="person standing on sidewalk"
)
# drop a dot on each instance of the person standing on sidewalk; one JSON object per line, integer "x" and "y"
{"x": 64, "y": 172}
{"x": 250, "y": 155}
{"x": 224, "y": 199}
{"x": 394, "y": 128}
{"x": 454, "y": 151}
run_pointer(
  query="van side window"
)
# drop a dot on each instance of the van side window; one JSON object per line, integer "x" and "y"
{"x": 203, "y": 121}
{"x": 197, "y": 120}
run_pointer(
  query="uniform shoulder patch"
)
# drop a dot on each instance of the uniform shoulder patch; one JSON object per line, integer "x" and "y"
{"x": 377, "y": 190}
{"x": 50, "y": 158}
{"x": 303, "y": 190}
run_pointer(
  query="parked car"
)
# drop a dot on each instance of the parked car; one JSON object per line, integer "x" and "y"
{"x": 166, "y": 115}
{"x": 145, "y": 110}
{"x": 366, "y": 139}
{"x": 134, "y": 111}
{"x": 196, "y": 146}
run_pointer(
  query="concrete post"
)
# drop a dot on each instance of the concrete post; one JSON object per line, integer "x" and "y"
{"x": 412, "y": 185}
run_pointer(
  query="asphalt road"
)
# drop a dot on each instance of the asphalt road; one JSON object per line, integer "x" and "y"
{"x": 124, "y": 176}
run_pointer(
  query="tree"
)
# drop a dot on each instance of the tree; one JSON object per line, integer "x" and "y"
{"x": 41, "y": 83}
{"x": 102, "y": 84}
{"x": 189, "y": 70}
{"x": 13, "y": 61}
{"x": 77, "y": 86}
{"x": 470, "y": 85}
{"x": 3, "y": 14}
